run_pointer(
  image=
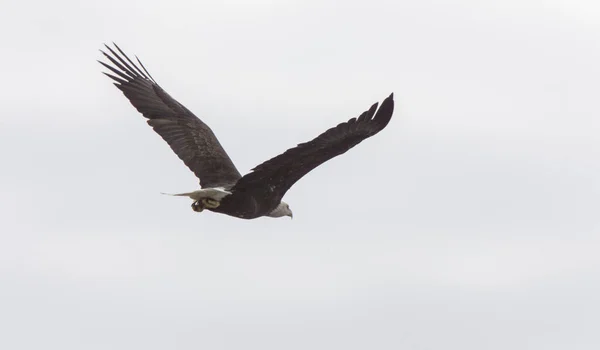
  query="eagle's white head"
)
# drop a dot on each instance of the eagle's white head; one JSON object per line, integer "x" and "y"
{"x": 283, "y": 209}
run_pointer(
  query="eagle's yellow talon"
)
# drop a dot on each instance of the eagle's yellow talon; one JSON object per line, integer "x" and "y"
{"x": 210, "y": 203}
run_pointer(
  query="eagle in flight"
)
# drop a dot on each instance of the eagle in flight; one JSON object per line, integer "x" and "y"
{"x": 223, "y": 189}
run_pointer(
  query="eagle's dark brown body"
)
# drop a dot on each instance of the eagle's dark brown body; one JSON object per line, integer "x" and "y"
{"x": 245, "y": 205}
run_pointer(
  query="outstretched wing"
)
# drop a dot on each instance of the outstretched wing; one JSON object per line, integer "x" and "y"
{"x": 191, "y": 139}
{"x": 277, "y": 175}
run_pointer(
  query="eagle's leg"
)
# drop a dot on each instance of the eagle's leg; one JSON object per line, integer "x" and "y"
{"x": 197, "y": 206}
{"x": 210, "y": 203}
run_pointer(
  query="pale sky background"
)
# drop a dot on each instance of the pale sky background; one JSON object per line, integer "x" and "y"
{"x": 471, "y": 222}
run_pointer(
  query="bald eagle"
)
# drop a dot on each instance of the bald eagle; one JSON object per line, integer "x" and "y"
{"x": 223, "y": 189}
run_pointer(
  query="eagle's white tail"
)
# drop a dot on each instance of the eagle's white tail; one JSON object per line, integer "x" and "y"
{"x": 192, "y": 195}
{"x": 216, "y": 193}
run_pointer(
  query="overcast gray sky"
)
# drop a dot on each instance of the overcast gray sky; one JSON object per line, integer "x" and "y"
{"x": 470, "y": 222}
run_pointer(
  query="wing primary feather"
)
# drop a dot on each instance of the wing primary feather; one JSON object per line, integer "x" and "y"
{"x": 116, "y": 71}
{"x": 129, "y": 69}
{"x": 371, "y": 111}
{"x": 366, "y": 115}
{"x": 145, "y": 70}
{"x": 129, "y": 60}
{"x": 117, "y": 79}
{"x": 384, "y": 114}
{"x": 119, "y": 65}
